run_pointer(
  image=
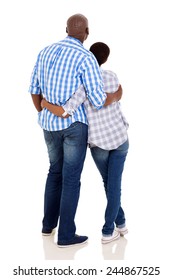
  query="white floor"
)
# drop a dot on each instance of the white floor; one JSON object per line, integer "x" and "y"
{"x": 148, "y": 243}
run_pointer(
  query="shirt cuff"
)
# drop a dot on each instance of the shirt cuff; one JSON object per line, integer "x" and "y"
{"x": 69, "y": 110}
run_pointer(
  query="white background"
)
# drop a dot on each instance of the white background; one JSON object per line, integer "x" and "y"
{"x": 139, "y": 34}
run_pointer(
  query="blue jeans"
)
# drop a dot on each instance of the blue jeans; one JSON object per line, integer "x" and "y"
{"x": 110, "y": 165}
{"x": 67, "y": 151}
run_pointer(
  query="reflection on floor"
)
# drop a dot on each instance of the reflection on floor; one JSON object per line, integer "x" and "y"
{"x": 112, "y": 251}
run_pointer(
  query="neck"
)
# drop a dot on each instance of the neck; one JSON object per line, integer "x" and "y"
{"x": 78, "y": 36}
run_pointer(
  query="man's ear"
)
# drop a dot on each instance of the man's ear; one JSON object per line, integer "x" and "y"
{"x": 87, "y": 31}
{"x": 66, "y": 30}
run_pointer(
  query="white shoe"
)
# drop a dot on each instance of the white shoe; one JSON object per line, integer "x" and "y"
{"x": 107, "y": 239}
{"x": 122, "y": 230}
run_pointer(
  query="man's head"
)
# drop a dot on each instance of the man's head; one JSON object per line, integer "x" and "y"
{"x": 101, "y": 51}
{"x": 77, "y": 27}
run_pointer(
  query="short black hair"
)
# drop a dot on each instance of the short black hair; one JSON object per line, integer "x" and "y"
{"x": 101, "y": 51}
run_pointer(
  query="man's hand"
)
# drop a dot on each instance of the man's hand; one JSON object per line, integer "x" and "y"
{"x": 114, "y": 97}
{"x": 118, "y": 94}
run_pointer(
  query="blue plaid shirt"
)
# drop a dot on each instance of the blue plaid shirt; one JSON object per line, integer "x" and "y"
{"x": 59, "y": 71}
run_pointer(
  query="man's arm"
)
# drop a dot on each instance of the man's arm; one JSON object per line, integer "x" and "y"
{"x": 35, "y": 89}
{"x": 36, "y": 98}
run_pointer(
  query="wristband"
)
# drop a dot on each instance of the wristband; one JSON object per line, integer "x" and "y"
{"x": 64, "y": 114}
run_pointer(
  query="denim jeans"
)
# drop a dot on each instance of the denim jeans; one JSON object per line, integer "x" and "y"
{"x": 110, "y": 165}
{"x": 67, "y": 151}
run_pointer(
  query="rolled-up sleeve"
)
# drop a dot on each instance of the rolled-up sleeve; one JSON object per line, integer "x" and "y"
{"x": 34, "y": 87}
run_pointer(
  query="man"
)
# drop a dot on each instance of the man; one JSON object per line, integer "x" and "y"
{"x": 59, "y": 71}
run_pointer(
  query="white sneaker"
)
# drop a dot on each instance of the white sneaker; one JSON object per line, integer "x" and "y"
{"x": 122, "y": 230}
{"x": 107, "y": 239}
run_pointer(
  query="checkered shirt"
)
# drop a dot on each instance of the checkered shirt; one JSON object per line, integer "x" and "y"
{"x": 107, "y": 127}
{"x": 59, "y": 71}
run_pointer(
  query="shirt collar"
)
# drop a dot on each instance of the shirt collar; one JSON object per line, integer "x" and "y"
{"x": 74, "y": 39}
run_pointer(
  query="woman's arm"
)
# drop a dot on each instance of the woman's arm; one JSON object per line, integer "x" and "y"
{"x": 75, "y": 101}
{"x": 55, "y": 109}
{"x": 70, "y": 107}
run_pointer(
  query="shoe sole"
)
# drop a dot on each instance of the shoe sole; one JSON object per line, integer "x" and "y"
{"x": 113, "y": 239}
{"x": 71, "y": 245}
{"x": 122, "y": 233}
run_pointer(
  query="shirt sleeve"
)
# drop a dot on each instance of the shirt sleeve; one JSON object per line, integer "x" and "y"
{"x": 34, "y": 82}
{"x": 111, "y": 82}
{"x": 93, "y": 82}
{"x": 75, "y": 101}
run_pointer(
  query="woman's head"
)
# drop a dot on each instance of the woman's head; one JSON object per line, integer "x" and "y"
{"x": 101, "y": 51}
